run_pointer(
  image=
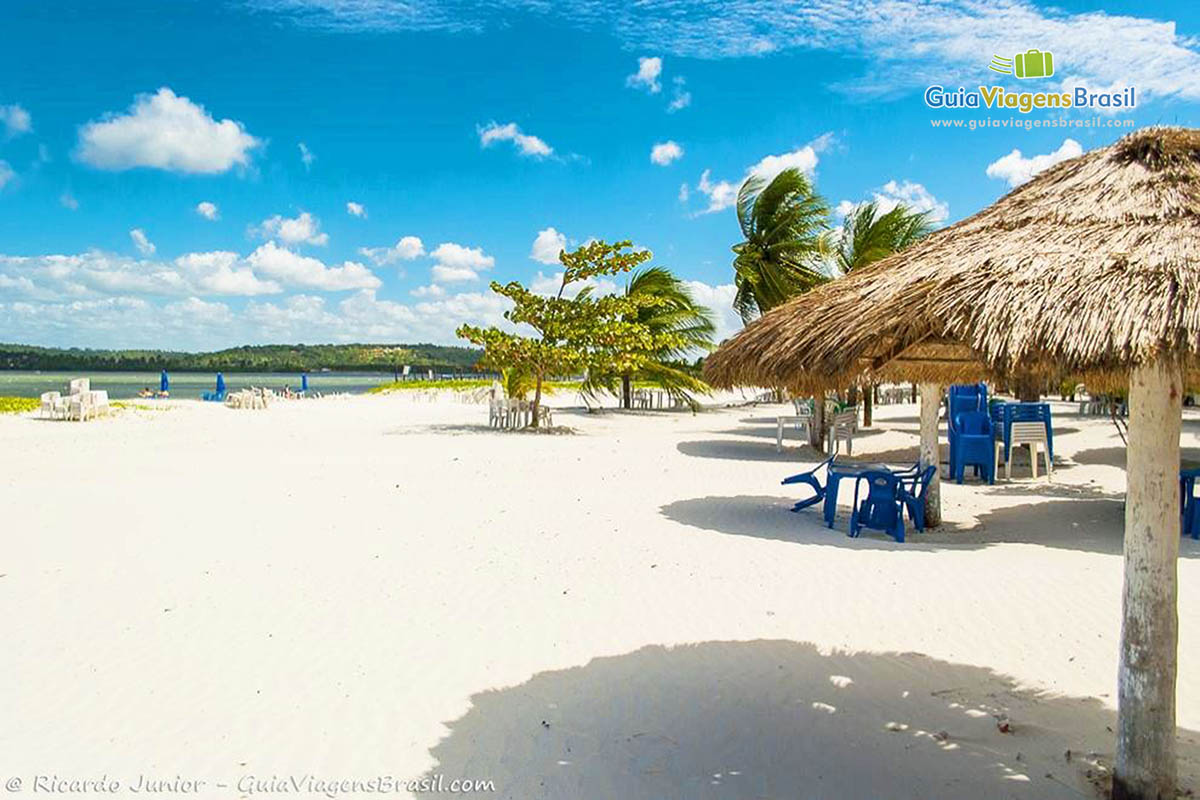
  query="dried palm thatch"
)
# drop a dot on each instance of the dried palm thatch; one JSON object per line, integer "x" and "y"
{"x": 1088, "y": 269}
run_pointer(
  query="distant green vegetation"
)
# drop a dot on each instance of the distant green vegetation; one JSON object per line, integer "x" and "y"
{"x": 258, "y": 358}
{"x": 18, "y": 405}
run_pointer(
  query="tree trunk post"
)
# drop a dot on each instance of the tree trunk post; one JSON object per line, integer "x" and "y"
{"x": 1145, "y": 768}
{"x": 537, "y": 402}
{"x": 931, "y": 403}
{"x": 816, "y": 432}
{"x": 626, "y": 392}
{"x": 868, "y": 405}
{"x": 914, "y": 393}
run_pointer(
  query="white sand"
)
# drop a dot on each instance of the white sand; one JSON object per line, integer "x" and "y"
{"x": 372, "y": 586}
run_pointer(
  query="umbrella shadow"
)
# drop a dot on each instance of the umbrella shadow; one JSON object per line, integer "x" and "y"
{"x": 741, "y": 450}
{"x": 763, "y": 718}
{"x": 1081, "y": 522}
{"x": 1115, "y": 456}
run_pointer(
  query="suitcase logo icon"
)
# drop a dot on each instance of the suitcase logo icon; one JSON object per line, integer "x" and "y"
{"x": 1030, "y": 64}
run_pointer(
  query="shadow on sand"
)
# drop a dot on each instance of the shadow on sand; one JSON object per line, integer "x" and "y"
{"x": 1084, "y": 520}
{"x": 769, "y": 719}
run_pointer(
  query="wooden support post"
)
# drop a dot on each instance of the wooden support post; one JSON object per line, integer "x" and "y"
{"x": 1145, "y": 768}
{"x": 816, "y": 430}
{"x": 931, "y": 402}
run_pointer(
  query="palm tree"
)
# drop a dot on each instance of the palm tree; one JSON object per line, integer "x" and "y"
{"x": 673, "y": 311}
{"x": 782, "y": 224}
{"x": 866, "y": 236}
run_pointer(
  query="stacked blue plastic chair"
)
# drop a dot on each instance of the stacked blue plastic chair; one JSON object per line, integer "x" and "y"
{"x": 959, "y": 400}
{"x": 973, "y": 445}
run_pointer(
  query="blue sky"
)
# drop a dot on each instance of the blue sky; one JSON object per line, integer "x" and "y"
{"x": 203, "y": 174}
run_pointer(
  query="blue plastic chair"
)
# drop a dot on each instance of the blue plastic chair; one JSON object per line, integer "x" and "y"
{"x": 961, "y": 399}
{"x": 883, "y": 507}
{"x": 974, "y": 446}
{"x": 810, "y": 479}
{"x": 1189, "y": 507}
{"x": 219, "y": 395}
{"x": 914, "y": 495}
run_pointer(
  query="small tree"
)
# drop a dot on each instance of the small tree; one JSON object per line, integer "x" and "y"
{"x": 574, "y": 334}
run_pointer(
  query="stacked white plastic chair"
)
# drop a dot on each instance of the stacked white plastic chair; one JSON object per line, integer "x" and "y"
{"x": 1033, "y": 435}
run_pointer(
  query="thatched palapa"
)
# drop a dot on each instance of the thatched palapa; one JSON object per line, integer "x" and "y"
{"x": 1089, "y": 268}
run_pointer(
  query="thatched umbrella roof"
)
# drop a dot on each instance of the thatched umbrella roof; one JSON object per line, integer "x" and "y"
{"x": 1088, "y": 269}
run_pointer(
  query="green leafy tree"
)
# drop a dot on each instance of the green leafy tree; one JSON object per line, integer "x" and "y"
{"x": 583, "y": 333}
{"x": 677, "y": 322}
{"x": 782, "y": 224}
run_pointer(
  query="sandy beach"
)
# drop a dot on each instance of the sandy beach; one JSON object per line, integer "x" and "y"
{"x": 348, "y": 588}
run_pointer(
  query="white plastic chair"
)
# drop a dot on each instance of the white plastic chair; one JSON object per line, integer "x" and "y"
{"x": 52, "y": 404}
{"x": 842, "y": 427}
{"x": 802, "y": 419}
{"x": 1032, "y": 434}
{"x": 99, "y": 401}
{"x": 79, "y": 406}
{"x": 80, "y": 385}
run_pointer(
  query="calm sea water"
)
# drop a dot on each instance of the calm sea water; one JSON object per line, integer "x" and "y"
{"x": 187, "y": 385}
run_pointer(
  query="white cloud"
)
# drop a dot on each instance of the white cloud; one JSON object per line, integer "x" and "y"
{"x": 648, "y": 71}
{"x": 526, "y": 144}
{"x": 684, "y": 194}
{"x": 432, "y": 290}
{"x": 356, "y": 209}
{"x": 719, "y": 300}
{"x": 681, "y": 98}
{"x": 142, "y": 242}
{"x": 302, "y": 229}
{"x": 443, "y": 273}
{"x": 15, "y": 120}
{"x": 902, "y": 44}
{"x": 297, "y": 270}
{"x": 306, "y": 156}
{"x": 195, "y": 310}
{"x": 547, "y": 245}
{"x": 220, "y": 272}
{"x": 406, "y": 249}
{"x": 167, "y": 132}
{"x": 458, "y": 263}
{"x": 7, "y": 174}
{"x": 68, "y": 200}
{"x": 1016, "y": 169}
{"x": 721, "y": 194}
{"x": 664, "y": 153}
{"x": 913, "y": 196}
{"x": 207, "y": 210}
{"x": 804, "y": 159}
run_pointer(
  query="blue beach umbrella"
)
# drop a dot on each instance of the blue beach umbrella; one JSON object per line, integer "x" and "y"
{"x": 220, "y": 383}
{"x": 304, "y": 382}
{"x": 164, "y": 383}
